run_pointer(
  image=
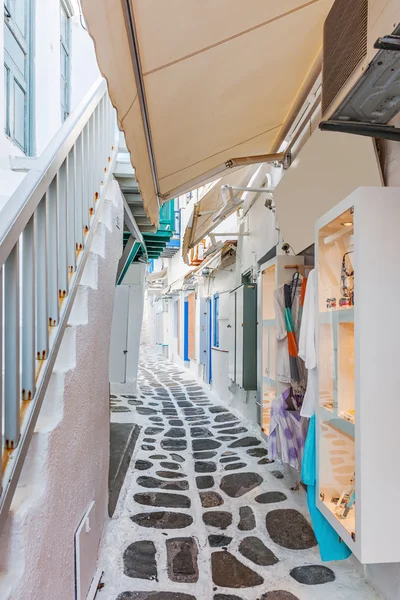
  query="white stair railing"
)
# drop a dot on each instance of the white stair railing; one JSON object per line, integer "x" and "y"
{"x": 46, "y": 229}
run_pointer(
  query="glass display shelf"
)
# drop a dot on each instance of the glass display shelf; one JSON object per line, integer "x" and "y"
{"x": 336, "y": 371}
{"x": 357, "y": 416}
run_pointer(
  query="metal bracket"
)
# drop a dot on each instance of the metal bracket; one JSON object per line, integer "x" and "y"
{"x": 388, "y": 42}
{"x": 383, "y": 132}
{"x": 287, "y": 161}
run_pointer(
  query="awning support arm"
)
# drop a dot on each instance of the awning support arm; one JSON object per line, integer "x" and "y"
{"x": 279, "y": 157}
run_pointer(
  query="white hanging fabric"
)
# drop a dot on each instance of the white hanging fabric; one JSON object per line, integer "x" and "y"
{"x": 307, "y": 347}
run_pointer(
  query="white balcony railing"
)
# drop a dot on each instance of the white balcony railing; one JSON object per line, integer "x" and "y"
{"x": 46, "y": 229}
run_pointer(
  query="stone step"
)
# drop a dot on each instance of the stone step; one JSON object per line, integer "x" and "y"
{"x": 123, "y": 438}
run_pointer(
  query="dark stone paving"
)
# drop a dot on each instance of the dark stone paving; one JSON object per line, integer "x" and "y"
{"x": 270, "y": 498}
{"x": 140, "y": 560}
{"x": 173, "y": 444}
{"x": 152, "y": 430}
{"x": 201, "y": 466}
{"x": 246, "y": 441}
{"x": 163, "y": 520}
{"x": 155, "y": 596}
{"x": 188, "y": 491}
{"x": 313, "y": 575}
{"x": 152, "y": 482}
{"x": 257, "y": 452}
{"x": 203, "y": 455}
{"x": 226, "y": 597}
{"x": 253, "y": 549}
{"x": 219, "y": 541}
{"x": 225, "y": 418}
{"x": 161, "y": 499}
{"x": 247, "y": 519}
{"x": 182, "y": 560}
{"x": 170, "y": 474}
{"x": 228, "y": 571}
{"x": 210, "y": 499}
{"x": 228, "y": 459}
{"x": 198, "y": 445}
{"x": 146, "y": 411}
{"x": 289, "y": 529}
{"x": 278, "y": 595}
{"x": 176, "y": 432}
{"x": 235, "y": 466}
{"x": 218, "y": 518}
{"x": 235, "y": 430}
{"x": 200, "y": 432}
{"x": 143, "y": 465}
{"x": 178, "y": 458}
{"x": 238, "y": 484}
{"x": 204, "y": 482}
{"x": 170, "y": 465}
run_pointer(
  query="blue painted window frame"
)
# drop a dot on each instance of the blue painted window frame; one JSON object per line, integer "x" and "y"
{"x": 186, "y": 330}
{"x": 216, "y": 321}
{"x": 176, "y": 318}
{"x": 18, "y": 35}
{"x": 65, "y": 61}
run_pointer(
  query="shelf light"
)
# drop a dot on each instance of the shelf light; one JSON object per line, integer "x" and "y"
{"x": 347, "y": 224}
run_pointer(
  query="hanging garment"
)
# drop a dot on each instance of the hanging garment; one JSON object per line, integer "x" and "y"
{"x": 287, "y": 432}
{"x": 330, "y": 545}
{"x": 284, "y": 318}
{"x": 295, "y": 375}
{"x": 307, "y": 347}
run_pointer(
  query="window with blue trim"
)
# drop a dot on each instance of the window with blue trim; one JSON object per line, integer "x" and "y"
{"x": 176, "y": 318}
{"x": 216, "y": 321}
{"x": 65, "y": 69}
{"x": 17, "y": 56}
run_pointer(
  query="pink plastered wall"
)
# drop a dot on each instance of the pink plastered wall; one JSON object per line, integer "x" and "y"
{"x": 67, "y": 464}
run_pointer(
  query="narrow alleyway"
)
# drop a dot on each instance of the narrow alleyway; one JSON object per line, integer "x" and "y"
{"x": 203, "y": 513}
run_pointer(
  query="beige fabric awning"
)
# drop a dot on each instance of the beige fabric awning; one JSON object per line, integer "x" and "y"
{"x": 197, "y": 83}
{"x": 201, "y": 222}
{"x": 329, "y": 167}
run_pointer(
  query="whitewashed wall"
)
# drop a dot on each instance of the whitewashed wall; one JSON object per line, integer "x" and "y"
{"x": 46, "y": 82}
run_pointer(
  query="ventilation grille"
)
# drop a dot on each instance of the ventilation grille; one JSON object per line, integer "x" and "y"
{"x": 345, "y": 46}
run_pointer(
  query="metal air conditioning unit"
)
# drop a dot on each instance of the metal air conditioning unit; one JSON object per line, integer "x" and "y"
{"x": 361, "y": 68}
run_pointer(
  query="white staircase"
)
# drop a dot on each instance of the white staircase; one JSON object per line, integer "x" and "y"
{"x": 60, "y": 242}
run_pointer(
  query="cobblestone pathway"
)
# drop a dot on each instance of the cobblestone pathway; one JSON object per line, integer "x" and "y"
{"x": 204, "y": 514}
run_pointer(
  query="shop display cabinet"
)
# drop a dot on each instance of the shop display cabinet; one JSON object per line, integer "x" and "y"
{"x": 273, "y": 274}
{"x": 358, "y": 416}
